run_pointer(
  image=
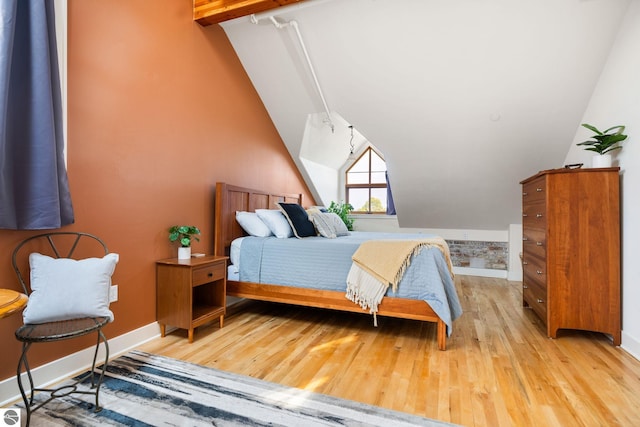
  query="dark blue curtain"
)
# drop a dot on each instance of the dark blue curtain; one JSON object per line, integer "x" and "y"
{"x": 391, "y": 207}
{"x": 34, "y": 190}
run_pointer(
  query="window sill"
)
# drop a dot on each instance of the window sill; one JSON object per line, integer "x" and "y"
{"x": 372, "y": 216}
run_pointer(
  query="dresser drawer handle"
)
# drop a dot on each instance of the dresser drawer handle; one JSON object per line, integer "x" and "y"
{"x": 525, "y": 263}
{"x": 524, "y": 239}
{"x": 538, "y": 272}
{"x": 525, "y": 287}
{"x": 538, "y": 215}
{"x": 524, "y": 193}
{"x": 524, "y": 215}
{"x": 210, "y": 274}
{"x": 538, "y": 243}
{"x": 540, "y": 301}
{"x": 539, "y": 190}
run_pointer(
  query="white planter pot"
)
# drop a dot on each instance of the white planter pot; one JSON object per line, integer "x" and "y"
{"x": 601, "y": 161}
{"x": 184, "y": 253}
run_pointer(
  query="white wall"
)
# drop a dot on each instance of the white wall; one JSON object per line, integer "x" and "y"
{"x": 616, "y": 101}
{"x": 492, "y": 88}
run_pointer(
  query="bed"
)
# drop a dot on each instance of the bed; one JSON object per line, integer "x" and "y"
{"x": 230, "y": 198}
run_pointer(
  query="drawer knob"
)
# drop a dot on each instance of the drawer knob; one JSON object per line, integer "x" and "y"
{"x": 210, "y": 275}
{"x": 538, "y": 243}
{"x": 525, "y": 239}
{"x": 524, "y": 215}
{"x": 538, "y": 272}
{"x": 525, "y": 263}
{"x": 539, "y": 190}
{"x": 525, "y": 287}
{"x": 540, "y": 301}
{"x": 538, "y": 215}
{"x": 524, "y": 193}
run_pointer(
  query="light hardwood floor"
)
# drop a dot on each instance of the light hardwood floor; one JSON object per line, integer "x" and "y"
{"x": 499, "y": 369}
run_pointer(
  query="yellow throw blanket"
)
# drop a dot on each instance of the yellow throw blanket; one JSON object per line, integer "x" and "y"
{"x": 387, "y": 260}
{"x": 378, "y": 264}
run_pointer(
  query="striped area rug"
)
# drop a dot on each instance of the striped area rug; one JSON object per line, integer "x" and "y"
{"x": 142, "y": 389}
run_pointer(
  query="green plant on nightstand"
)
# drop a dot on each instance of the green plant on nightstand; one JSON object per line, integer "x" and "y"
{"x": 183, "y": 234}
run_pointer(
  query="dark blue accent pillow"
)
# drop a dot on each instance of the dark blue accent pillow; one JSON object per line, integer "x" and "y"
{"x": 298, "y": 219}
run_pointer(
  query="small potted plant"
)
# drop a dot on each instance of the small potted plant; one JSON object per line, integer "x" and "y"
{"x": 604, "y": 142}
{"x": 183, "y": 234}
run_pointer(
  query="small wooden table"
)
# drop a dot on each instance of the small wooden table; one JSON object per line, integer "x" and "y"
{"x": 11, "y": 301}
{"x": 191, "y": 292}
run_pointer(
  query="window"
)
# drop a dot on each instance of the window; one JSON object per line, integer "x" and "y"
{"x": 366, "y": 188}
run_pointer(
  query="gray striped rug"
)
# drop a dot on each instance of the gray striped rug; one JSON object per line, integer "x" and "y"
{"x": 142, "y": 389}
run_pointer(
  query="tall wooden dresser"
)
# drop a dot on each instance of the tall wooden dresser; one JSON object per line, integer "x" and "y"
{"x": 571, "y": 249}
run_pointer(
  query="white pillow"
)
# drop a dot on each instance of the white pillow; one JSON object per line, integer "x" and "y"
{"x": 252, "y": 224}
{"x": 338, "y": 224}
{"x": 276, "y": 221}
{"x": 64, "y": 288}
{"x": 323, "y": 223}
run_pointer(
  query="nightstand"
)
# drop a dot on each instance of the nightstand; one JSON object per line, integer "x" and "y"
{"x": 191, "y": 292}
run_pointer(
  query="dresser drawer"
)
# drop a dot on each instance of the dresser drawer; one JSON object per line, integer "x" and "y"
{"x": 534, "y": 284}
{"x": 534, "y": 191}
{"x": 533, "y": 243}
{"x": 534, "y": 215}
{"x": 534, "y": 276}
{"x": 534, "y": 269}
{"x": 209, "y": 273}
{"x": 536, "y": 299}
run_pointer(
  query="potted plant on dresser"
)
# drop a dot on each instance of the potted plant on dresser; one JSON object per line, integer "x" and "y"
{"x": 183, "y": 234}
{"x": 603, "y": 142}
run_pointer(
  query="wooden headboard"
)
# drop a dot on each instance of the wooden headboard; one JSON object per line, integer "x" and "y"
{"x": 229, "y": 199}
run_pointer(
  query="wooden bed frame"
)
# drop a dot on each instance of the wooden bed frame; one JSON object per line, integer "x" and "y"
{"x": 230, "y": 198}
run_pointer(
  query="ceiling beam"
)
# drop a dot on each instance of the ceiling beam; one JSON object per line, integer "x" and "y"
{"x": 208, "y": 12}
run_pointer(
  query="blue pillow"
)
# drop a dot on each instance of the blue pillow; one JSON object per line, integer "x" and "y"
{"x": 298, "y": 219}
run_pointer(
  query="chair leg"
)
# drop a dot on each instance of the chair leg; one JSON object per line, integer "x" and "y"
{"x": 97, "y": 385}
{"x": 28, "y": 401}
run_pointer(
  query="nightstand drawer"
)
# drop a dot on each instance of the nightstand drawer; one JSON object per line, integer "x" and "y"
{"x": 208, "y": 273}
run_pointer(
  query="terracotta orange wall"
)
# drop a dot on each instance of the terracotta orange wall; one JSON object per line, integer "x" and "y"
{"x": 159, "y": 109}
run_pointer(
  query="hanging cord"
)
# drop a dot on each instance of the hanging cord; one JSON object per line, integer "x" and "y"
{"x": 352, "y": 155}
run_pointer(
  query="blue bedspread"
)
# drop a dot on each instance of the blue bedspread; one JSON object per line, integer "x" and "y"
{"x": 321, "y": 263}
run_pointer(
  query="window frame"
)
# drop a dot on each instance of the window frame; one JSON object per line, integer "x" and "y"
{"x": 369, "y": 186}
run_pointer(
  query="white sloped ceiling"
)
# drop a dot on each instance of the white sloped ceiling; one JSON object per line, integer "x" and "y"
{"x": 465, "y": 98}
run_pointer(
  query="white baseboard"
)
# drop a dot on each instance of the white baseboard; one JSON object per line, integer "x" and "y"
{"x": 482, "y": 272}
{"x": 58, "y": 370}
{"x": 631, "y": 345}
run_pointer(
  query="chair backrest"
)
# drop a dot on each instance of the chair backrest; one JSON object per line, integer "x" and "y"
{"x": 59, "y": 244}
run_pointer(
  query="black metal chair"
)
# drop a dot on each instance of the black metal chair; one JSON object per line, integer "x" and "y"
{"x": 58, "y": 245}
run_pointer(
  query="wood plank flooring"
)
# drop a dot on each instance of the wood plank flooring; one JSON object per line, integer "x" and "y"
{"x": 499, "y": 369}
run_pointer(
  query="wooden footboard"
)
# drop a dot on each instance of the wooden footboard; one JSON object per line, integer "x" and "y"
{"x": 231, "y": 198}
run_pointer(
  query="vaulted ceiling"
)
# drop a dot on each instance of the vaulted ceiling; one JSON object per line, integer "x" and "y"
{"x": 464, "y": 98}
